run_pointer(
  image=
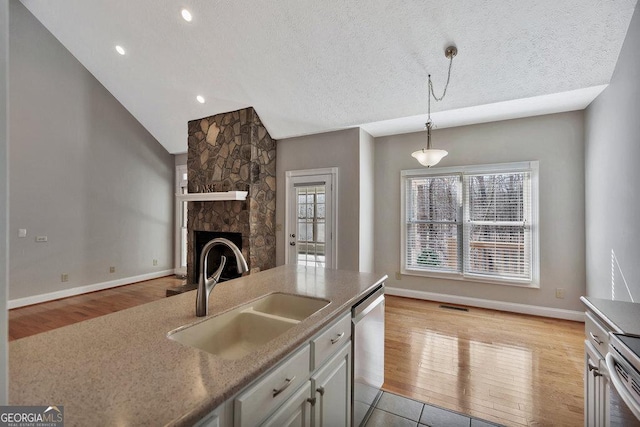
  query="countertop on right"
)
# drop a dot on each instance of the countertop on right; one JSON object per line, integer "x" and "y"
{"x": 621, "y": 316}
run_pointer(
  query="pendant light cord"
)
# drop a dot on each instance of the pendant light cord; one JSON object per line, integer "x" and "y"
{"x": 444, "y": 92}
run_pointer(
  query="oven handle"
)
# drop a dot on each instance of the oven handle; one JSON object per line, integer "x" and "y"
{"x": 633, "y": 405}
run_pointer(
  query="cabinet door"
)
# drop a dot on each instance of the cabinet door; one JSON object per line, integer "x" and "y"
{"x": 332, "y": 388}
{"x": 590, "y": 387}
{"x": 596, "y": 389}
{"x": 603, "y": 396}
{"x": 295, "y": 411}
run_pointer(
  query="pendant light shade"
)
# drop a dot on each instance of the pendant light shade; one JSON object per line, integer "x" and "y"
{"x": 429, "y": 157}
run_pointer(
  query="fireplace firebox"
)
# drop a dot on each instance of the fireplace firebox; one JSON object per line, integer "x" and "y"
{"x": 201, "y": 238}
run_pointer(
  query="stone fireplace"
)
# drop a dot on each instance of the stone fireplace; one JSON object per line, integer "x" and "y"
{"x": 233, "y": 152}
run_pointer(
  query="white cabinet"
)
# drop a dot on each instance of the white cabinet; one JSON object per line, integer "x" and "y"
{"x": 596, "y": 385}
{"x": 596, "y": 388}
{"x": 331, "y": 339}
{"x": 311, "y": 388}
{"x": 273, "y": 390}
{"x": 295, "y": 412}
{"x": 332, "y": 388}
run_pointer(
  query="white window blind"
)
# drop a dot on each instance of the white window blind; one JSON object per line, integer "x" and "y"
{"x": 497, "y": 229}
{"x": 475, "y": 223}
{"x": 432, "y": 223}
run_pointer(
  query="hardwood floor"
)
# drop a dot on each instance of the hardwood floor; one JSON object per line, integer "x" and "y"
{"x": 34, "y": 319}
{"x": 512, "y": 369}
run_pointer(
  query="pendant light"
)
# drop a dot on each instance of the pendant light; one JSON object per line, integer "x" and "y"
{"x": 431, "y": 156}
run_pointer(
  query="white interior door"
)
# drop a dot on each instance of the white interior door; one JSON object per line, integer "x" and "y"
{"x": 311, "y": 219}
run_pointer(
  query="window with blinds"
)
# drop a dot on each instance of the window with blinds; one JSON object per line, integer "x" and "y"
{"x": 475, "y": 223}
{"x": 433, "y": 205}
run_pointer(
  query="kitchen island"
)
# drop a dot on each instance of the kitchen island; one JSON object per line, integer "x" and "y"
{"x": 121, "y": 369}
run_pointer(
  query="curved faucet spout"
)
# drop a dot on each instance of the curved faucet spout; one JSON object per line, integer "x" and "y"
{"x": 206, "y": 284}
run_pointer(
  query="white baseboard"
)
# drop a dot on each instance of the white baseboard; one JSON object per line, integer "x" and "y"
{"x": 36, "y": 299}
{"x": 557, "y": 313}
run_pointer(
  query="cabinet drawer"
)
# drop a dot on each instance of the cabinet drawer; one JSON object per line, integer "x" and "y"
{"x": 254, "y": 404}
{"x": 596, "y": 334}
{"x": 295, "y": 412}
{"x": 330, "y": 341}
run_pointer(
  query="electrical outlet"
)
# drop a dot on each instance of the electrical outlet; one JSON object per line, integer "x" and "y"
{"x": 155, "y": 262}
{"x": 112, "y": 269}
{"x": 64, "y": 277}
{"x": 398, "y": 275}
{"x": 560, "y": 293}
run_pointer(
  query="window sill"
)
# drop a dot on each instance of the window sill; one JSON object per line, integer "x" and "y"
{"x": 470, "y": 278}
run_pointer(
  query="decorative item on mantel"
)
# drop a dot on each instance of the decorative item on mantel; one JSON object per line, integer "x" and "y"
{"x": 431, "y": 156}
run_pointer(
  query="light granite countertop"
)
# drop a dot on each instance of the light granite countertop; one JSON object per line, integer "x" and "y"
{"x": 621, "y": 316}
{"x": 121, "y": 369}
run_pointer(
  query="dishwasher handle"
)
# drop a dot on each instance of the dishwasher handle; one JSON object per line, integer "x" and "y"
{"x": 367, "y": 304}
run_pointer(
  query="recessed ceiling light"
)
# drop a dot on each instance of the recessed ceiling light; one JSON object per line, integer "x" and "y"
{"x": 186, "y": 15}
{"x": 120, "y": 50}
{"x": 200, "y": 99}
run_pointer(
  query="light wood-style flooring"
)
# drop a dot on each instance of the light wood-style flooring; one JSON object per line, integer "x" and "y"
{"x": 34, "y": 319}
{"x": 512, "y": 369}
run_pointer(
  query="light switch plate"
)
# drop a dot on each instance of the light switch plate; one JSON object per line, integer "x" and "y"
{"x": 41, "y": 238}
{"x": 22, "y": 232}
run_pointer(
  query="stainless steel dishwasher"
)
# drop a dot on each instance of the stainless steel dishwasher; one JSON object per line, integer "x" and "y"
{"x": 367, "y": 322}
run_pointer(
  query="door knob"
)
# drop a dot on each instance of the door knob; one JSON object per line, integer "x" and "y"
{"x": 292, "y": 243}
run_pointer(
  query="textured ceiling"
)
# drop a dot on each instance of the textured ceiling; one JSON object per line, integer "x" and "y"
{"x": 314, "y": 66}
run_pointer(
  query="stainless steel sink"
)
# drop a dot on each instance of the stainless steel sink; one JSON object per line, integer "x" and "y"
{"x": 240, "y": 331}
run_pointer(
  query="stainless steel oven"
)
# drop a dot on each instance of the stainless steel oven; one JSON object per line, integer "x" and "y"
{"x": 623, "y": 372}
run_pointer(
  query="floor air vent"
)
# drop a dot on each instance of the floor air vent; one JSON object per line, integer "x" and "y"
{"x": 453, "y": 307}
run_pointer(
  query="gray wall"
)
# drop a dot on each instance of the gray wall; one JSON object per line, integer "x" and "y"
{"x": 84, "y": 172}
{"x": 613, "y": 177}
{"x": 333, "y": 149}
{"x": 4, "y": 195}
{"x": 557, "y": 141}
{"x": 180, "y": 159}
{"x": 367, "y": 207}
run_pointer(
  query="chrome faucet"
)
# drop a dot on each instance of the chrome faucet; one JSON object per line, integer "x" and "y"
{"x": 206, "y": 284}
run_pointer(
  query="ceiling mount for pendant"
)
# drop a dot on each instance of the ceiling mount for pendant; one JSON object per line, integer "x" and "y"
{"x": 430, "y": 156}
{"x": 450, "y": 52}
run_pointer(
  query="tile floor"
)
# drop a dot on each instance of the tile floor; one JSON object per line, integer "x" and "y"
{"x": 394, "y": 410}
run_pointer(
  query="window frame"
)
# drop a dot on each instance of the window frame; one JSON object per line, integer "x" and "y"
{"x": 529, "y": 166}
{"x": 180, "y": 217}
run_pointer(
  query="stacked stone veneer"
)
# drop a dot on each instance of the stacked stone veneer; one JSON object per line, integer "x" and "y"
{"x": 234, "y": 152}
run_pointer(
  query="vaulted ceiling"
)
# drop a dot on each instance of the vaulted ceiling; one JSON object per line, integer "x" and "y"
{"x": 314, "y": 66}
